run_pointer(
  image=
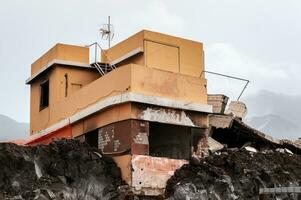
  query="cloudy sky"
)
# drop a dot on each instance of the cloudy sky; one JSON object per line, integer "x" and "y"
{"x": 253, "y": 39}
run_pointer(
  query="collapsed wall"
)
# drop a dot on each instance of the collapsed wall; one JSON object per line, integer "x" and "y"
{"x": 242, "y": 160}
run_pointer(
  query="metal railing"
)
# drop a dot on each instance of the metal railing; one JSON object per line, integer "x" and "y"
{"x": 96, "y": 47}
{"x": 102, "y": 68}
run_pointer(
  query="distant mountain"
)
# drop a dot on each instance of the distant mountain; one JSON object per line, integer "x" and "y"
{"x": 11, "y": 129}
{"x": 275, "y": 126}
{"x": 270, "y": 103}
{"x": 275, "y": 113}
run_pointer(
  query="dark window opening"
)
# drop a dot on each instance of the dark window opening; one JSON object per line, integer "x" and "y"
{"x": 44, "y": 97}
{"x": 92, "y": 138}
{"x": 170, "y": 141}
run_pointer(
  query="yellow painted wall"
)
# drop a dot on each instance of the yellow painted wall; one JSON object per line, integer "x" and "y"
{"x": 162, "y": 56}
{"x": 77, "y": 78}
{"x": 36, "y": 116}
{"x": 113, "y": 83}
{"x": 191, "y": 52}
{"x": 126, "y": 46}
{"x": 57, "y": 86}
{"x": 155, "y": 82}
{"x": 161, "y": 51}
{"x": 129, "y": 78}
{"x": 62, "y": 52}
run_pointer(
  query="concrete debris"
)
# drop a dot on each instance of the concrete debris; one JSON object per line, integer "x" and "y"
{"x": 218, "y": 102}
{"x": 251, "y": 149}
{"x": 233, "y": 132}
{"x": 298, "y": 142}
{"x": 237, "y": 109}
{"x": 220, "y": 121}
{"x": 214, "y": 145}
{"x": 285, "y": 150}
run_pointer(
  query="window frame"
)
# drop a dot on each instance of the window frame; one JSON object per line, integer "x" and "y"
{"x": 44, "y": 104}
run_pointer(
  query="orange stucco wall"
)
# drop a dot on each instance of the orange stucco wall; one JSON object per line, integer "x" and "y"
{"x": 111, "y": 84}
{"x": 162, "y": 83}
{"x": 62, "y": 52}
{"x": 75, "y": 78}
{"x": 117, "y": 51}
{"x": 190, "y": 52}
{"x": 58, "y": 89}
{"x": 161, "y": 51}
{"x": 129, "y": 78}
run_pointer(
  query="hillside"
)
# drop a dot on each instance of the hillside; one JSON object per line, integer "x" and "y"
{"x": 274, "y": 113}
{"x": 276, "y": 126}
{"x": 11, "y": 129}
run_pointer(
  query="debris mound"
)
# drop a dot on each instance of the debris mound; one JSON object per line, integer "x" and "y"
{"x": 65, "y": 169}
{"x": 68, "y": 169}
{"x": 236, "y": 174}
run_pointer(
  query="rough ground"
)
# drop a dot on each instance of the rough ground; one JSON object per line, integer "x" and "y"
{"x": 64, "y": 169}
{"x": 236, "y": 174}
{"x": 71, "y": 170}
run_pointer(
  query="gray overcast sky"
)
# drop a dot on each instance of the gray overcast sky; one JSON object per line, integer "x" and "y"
{"x": 255, "y": 39}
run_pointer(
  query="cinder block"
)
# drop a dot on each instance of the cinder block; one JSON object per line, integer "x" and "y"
{"x": 237, "y": 109}
{"x": 218, "y": 102}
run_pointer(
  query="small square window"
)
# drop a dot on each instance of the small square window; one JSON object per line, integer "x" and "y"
{"x": 44, "y": 95}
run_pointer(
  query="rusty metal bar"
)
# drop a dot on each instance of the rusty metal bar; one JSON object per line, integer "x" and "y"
{"x": 233, "y": 77}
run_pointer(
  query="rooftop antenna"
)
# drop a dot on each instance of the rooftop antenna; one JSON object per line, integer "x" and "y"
{"x": 107, "y": 31}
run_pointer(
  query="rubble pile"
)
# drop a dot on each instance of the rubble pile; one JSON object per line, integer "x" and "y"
{"x": 65, "y": 169}
{"x": 68, "y": 169}
{"x": 236, "y": 174}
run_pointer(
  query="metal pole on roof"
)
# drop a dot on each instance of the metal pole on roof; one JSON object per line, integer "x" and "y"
{"x": 95, "y": 57}
{"x": 109, "y": 30}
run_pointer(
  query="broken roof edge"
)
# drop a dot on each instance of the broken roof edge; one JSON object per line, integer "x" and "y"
{"x": 284, "y": 143}
{"x": 229, "y": 121}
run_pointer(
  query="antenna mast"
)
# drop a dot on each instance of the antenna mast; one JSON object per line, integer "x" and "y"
{"x": 107, "y": 32}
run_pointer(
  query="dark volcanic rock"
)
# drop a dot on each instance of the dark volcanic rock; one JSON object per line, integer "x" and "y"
{"x": 65, "y": 169}
{"x": 68, "y": 169}
{"x": 235, "y": 175}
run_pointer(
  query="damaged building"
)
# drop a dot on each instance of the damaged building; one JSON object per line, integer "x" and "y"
{"x": 144, "y": 104}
